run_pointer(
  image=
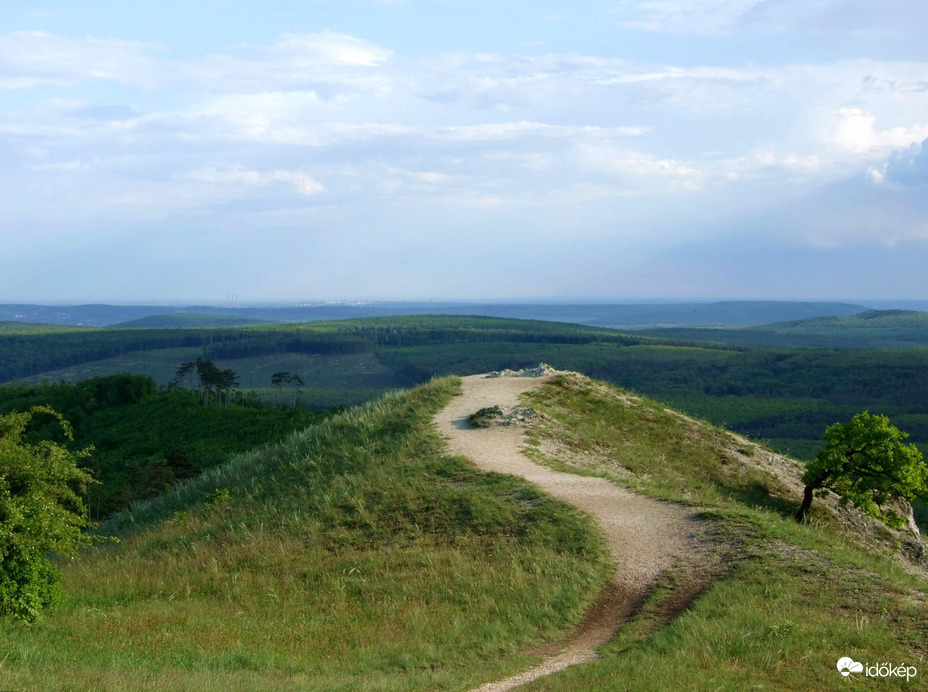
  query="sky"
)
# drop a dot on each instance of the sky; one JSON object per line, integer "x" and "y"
{"x": 312, "y": 150}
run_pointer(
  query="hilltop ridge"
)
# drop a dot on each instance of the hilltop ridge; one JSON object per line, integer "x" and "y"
{"x": 362, "y": 552}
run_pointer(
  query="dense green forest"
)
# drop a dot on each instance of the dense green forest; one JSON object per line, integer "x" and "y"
{"x": 869, "y": 329}
{"x": 785, "y": 396}
{"x": 30, "y": 352}
{"x": 145, "y": 440}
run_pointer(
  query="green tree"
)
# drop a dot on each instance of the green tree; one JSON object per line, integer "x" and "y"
{"x": 226, "y": 381}
{"x": 279, "y": 379}
{"x": 185, "y": 369}
{"x": 41, "y": 513}
{"x": 298, "y": 382}
{"x": 866, "y": 462}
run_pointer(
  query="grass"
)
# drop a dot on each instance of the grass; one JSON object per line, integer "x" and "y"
{"x": 638, "y": 442}
{"x": 357, "y": 555}
{"x": 353, "y": 555}
{"x": 798, "y": 597}
{"x": 780, "y": 623}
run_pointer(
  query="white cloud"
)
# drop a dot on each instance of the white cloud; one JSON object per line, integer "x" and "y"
{"x": 60, "y": 166}
{"x": 31, "y": 58}
{"x": 634, "y": 165}
{"x": 855, "y": 132}
{"x": 329, "y": 48}
{"x": 240, "y": 175}
{"x": 327, "y": 131}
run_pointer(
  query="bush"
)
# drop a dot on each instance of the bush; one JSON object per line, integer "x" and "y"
{"x": 41, "y": 512}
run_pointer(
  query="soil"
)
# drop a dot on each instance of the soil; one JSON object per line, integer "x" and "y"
{"x": 647, "y": 538}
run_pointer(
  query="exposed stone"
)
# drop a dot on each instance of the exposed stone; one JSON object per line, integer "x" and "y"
{"x": 540, "y": 371}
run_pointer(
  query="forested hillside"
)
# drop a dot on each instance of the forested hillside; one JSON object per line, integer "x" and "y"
{"x": 897, "y": 329}
{"x": 145, "y": 440}
{"x": 786, "y": 396}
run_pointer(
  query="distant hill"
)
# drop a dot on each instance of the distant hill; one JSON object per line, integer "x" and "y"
{"x": 10, "y": 328}
{"x": 611, "y": 315}
{"x": 726, "y": 313}
{"x": 189, "y": 320}
{"x": 869, "y": 329}
{"x": 78, "y": 315}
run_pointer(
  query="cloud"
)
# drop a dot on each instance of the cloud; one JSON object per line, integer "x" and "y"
{"x": 635, "y": 165}
{"x": 327, "y": 65}
{"x": 239, "y": 175}
{"x": 329, "y": 48}
{"x": 31, "y": 58}
{"x": 908, "y": 167}
{"x": 855, "y": 132}
{"x": 325, "y": 142}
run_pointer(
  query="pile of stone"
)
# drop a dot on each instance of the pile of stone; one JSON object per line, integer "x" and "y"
{"x": 540, "y": 371}
{"x": 520, "y": 414}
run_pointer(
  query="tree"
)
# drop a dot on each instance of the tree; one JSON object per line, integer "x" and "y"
{"x": 298, "y": 381}
{"x": 209, "y": 376}
{"x": 209, "y": 379}
{"x": 41, "y": 512}
{"x": 226, "y": 381}
{"x": 279, "y": 379}
{"x": 183, "y": 371}
{"x": 866, "y": 462}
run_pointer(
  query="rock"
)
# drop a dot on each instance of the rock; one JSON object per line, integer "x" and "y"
{"x": 903, "y": 508}
{"x": 540, "y": 371}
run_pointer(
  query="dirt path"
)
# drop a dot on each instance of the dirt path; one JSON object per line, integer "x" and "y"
{"x": 646, "y": 537}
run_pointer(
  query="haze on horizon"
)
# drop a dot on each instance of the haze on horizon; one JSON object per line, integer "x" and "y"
{"x": 416, "y": 149}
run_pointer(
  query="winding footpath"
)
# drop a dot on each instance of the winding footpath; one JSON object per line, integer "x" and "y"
{"x": 646, "y": 537}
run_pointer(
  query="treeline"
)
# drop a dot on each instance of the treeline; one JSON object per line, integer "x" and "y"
{"x": 783, "y": 396}
{"x": 897, "y": 329}
{"x": 786, "y": 396}
{"x": 145, "y": 440}
{"x": 28, "y": 355}
{"x": 24, "y": 355}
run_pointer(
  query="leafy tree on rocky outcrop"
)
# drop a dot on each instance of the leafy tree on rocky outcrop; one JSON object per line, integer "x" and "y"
{"x": 866, "y": 462}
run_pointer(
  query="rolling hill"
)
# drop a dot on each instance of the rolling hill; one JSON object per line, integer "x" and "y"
{"x": 188, "y": 320}
{"x": 617, "y": 315}
{"x": 785, "y": 396}
{"x": 888, "y": 329}
{"x": 358, "y": 554}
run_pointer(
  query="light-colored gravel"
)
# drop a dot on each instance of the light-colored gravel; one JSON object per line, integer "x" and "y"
{"x": 646, "y": 537}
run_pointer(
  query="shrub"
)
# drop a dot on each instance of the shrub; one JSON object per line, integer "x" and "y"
{"x": 41, "y": 513}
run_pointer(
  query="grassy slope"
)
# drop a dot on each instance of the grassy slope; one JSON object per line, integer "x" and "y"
{"x": 798, "y": 597}
{"x": 354, "y": 555}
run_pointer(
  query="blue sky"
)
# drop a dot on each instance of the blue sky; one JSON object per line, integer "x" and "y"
{"x": 463, "y": 149}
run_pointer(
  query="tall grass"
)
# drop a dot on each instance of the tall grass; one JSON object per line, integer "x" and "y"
{"x": 352, "y": 555}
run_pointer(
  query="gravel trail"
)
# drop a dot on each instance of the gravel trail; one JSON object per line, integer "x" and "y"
{"x": 646, "y": 537}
